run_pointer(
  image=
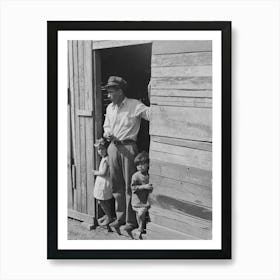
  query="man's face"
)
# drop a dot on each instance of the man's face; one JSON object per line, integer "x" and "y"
{"x": 114, "y": 94}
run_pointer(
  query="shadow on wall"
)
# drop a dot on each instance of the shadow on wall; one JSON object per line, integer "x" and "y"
{"x": 183, "y": 207}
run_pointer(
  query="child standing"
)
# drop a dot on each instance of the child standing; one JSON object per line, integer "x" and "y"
{"x": 140, "y": 190}
{"x": 102, "y": 188}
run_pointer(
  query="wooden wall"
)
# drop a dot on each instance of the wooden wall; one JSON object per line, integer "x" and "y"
{"x": 181, "y": 136}
{"x": 81, "y": 131}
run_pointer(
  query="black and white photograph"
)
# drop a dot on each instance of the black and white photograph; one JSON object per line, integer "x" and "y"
{"x": 141, "y": 172}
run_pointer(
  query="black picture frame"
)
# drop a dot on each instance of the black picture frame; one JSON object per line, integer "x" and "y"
{"x": 52, "y": 139}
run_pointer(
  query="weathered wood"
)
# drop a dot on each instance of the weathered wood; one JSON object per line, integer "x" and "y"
{"x": 181, "y": 155}
{"x": 181, "y": 172}
{"x": 164, "y": 47}
{"x": 157, "y": 232}
{"x": 205, "y": 146}
{"x": 69, "y": 160}
{"x": 73, "y": 120}
{"x": 188, "y": 197}
{"x": 190, "y": 83}
{"x": 182, "y": 71}
{"x": 81, "y": 216}
{"x": 72, "y": 96}
{"x": 83, "y": 166}
{"x": 199, "y": 228}
{"x": 117, "y": 43}
{"x": 77, "y": 193}
{"x": 187, "y": 59}
{"x": 181, "y": 93}
{"x": 196, "y": 102}
{"x": 182, "y": 122}
{"x": 89, "y": 126}
{"x": 74, "y": 178}
{"x": 84, "y": 113}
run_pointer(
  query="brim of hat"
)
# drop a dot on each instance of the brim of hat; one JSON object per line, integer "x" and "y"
{"x": 112, "y": 85}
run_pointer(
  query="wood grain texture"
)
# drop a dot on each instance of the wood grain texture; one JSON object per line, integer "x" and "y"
{"x": 182, "y": 71}
{"x": 181, "y": 155}
{"x": 181, "y": 93}
{"x": 200, "y": 228}
{"x": 117, "y": 43}
{"x": 182, "y": 59}
{"x": 89, "y": 126}
{"x": 189, "y": 83}
{"x": 181, "y": 172}
{"x": 181, "y": 122}
{"x": 81, "y": 216}
{"x": 204, "y": 146}
{"x": 164, "y": 47}
{"x": 69, "y": 160}
{"x": 189, "y": 195}
{"x": 77, "y": 194}
{"x": 83, "y": 166}
{"x": 196, "y": 102}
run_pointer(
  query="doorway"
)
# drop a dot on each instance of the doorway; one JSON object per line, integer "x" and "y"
{"x": 133, "y": 63}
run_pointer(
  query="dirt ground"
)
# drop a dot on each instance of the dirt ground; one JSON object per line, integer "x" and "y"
{"x": 76, "y": 231}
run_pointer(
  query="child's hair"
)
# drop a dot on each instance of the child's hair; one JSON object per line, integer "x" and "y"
{"x": 101, "y": 143}
{"x": 143, "y": 157}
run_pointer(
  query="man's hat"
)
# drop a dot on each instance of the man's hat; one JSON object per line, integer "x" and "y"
{"x": 115, "y": 81}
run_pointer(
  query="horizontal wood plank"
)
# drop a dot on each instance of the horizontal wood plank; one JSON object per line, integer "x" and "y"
{"x": 199, "y": 145}
{"x": 181, "y": 155}
{"x": 182, "y": 101}
{"x": 80, "y": 216}
{"x": 182, "y": 71}
{"x": 189, "y": 83}
{"x": 199, "y": 228}
{"x": 181, "y": 93}
{"x": 181, "y": 172}
{"x": 84, "y": 113}
{"x": 181, "y": 122}
{"x": 117, "y": 43}
{"x": 187, "y": 59}
{"x": 187, "y": 197}
{"x": 174, "y": 46}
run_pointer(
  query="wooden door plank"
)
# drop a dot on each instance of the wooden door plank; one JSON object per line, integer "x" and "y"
{"x": 69, "y": 160}
{"x": 72, "y": 116}
{"x": 187, "y": 59}
{"x": 174, "y": 46}
{"x": 182, "y": 122}
{"x": 77, "y": 205}
{"x": 82, "y": 127}
{"x": 89, "y": 121}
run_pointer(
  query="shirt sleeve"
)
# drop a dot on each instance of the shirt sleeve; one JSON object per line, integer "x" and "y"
{"x": 142, "y": 111}
{"x": 106, "y": 125}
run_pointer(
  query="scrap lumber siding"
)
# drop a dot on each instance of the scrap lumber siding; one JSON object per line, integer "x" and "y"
{"x": 181, "y": 136}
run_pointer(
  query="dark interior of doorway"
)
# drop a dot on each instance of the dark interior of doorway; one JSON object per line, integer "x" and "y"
{"x": 133, "y": 63}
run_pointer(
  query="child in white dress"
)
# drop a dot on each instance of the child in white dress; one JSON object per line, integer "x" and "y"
{"x": 102, "y": 188}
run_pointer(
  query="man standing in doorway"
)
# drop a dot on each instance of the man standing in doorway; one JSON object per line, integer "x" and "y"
{"x": 121, "y": 126}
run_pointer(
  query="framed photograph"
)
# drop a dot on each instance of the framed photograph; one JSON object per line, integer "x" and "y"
{"x": 139, "y": 140}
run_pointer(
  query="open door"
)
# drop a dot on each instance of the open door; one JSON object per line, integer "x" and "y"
{"x": 133, "y": 63}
